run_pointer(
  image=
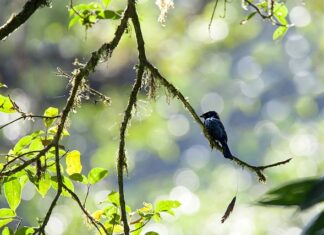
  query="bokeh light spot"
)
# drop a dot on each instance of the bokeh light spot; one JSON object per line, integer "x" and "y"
{"x": 300, "y": 16}
{"x": 212, "y": 101}
{"x": 178, "y": 125}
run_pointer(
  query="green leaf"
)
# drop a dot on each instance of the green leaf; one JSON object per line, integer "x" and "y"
{"x": 108, "y": 14}
{"x": 36, "y": 144}
{"x": 97, "y": 174}
{"x": 73, "y": 21}
{"x": 280, "y": 11}
{"x": 50, "y": 112}
{"x": 293, "y": 194}
{"x": 151, "y": 233}
{"x": 6, "y": 230}
{"x": 73, "y": 162}
{"x": 316, "y": 226}
{"x": 6, "y": 106}
{"x": 250, "y": 16}
{"x": 7, "y": 213}
{"x": 23, "y": 180}
{"x": 25, "y": 141}
{"x": 279, "y": 32}
{"x": 106, "y": 2}
{"x": 167, "y": 206}
{"x": 79, "y": 177}
{"x": 147, "y": 209}
{"x": 12, "y": 192}
{"x": 314, "y": 196}
{"x": 44, "y": 184}
{"x": 3, "y": 85}
{"x": 25, "y": 231}
{"x": 138, "y": 227}
{"x": 113, "y": 197}
{"x": 157, "y": 217}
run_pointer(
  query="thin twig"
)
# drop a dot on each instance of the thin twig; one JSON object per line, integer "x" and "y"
{"x": 84, "y": 210}
{"x": 87, "y": 194}
{"x": 41, "y": 229}
{"x": 212, "y": 16}
{"x": 26, "y": 163}
{"x": 16, "y": 158}
{"x": 26, "y": 116}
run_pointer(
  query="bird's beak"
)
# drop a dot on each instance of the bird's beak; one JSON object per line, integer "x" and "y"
{"x": 201, "y": 115}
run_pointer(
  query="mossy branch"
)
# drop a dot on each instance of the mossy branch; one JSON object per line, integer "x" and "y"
{"x": 122, "y": 162}
{"x": 17, "y": 20}
{"x": 176, "y": 93}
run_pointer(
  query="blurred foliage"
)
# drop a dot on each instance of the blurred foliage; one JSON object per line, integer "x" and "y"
{"x": 304, "y": 194}
{"x": 269, "y": 94}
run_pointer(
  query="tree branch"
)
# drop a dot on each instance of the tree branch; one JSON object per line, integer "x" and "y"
{"x": 121, "y": 162}
{"x": 41, "y": 229}
{"x": 176, "y": 93}
{"x": 16, "y": 20}
{"x": 26, "y": 163}
{"x": 269, "y": 16}
{"x": 84, "y": 210}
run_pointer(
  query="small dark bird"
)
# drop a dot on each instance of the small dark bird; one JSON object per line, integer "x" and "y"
{"x": 217, "y": 131}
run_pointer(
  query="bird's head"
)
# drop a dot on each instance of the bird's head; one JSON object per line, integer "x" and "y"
{"x": 210, "y": 114}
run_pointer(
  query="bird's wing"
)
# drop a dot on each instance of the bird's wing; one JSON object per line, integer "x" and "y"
{"x": 216, "y": 129}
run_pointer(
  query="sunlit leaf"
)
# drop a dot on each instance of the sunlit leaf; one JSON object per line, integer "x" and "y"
{"x": 44, "y": 184}
{"x": 115, "y": 228}
{"x": 36, "y": 144}
{"x": 157, "y": 217}
{"x": 25, "y": 231}
{"x": 73, "y": 162}
{"x": 97, "y": 174}
{"x": 12, "y": 192}
{"x": 167, "y": 206}
{"x": 6, "y": 230}
{"x": 6, "y": 106}
{"x": 108, "y": 14}
{"x": 148, "y": 207}
{"x": 113, "y": 197}
{"x": 23, "y": 179}
{"x": 97, "y": 214}
{"x": 106, "y": 2}
{"x": 7, "y": 213}
{"x": 50, "y": 112}
{"x": 79, "y": 177}
{"x": 279, "y": 32}
{"x": 3, "y": 85}
{"x": 74, "y": 20}
{"x": 138, "y": 228}
{"x": 25, "y": 141}
{"x": 280, "y": 11}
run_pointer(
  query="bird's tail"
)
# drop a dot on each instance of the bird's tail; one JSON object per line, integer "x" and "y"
{"x": 226, "y": 151}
